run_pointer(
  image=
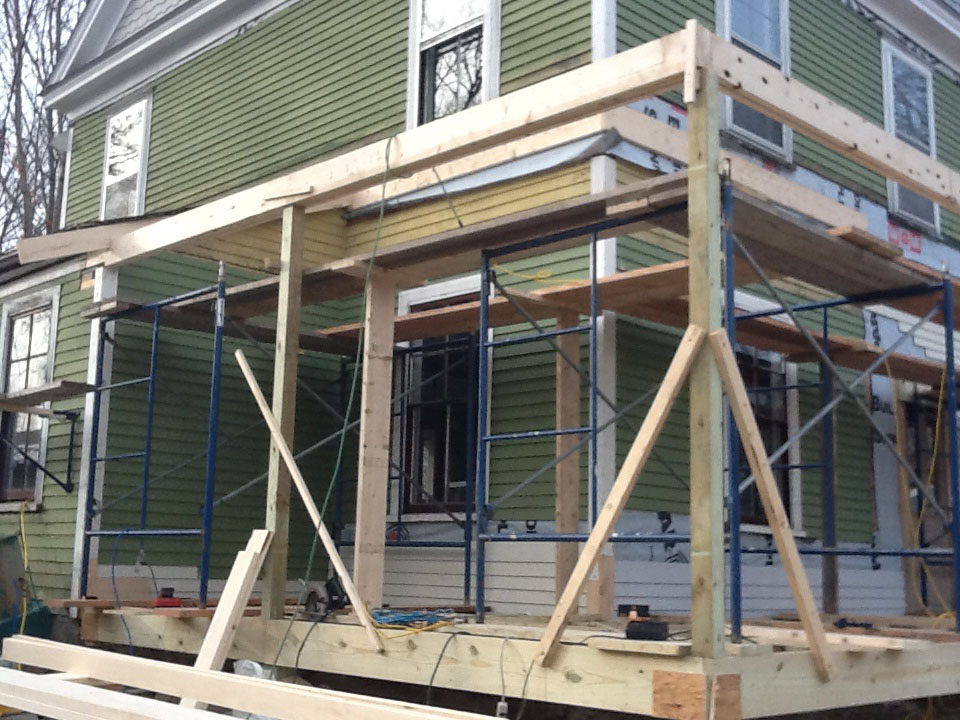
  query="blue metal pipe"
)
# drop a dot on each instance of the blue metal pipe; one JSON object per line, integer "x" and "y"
{"x": 951, "y": 384}
{"x": 534, "y": 337}
{"x": 165, "y": 302}
{"x": 124, "y": 383}
{"x": 829, "y": 496}
{"x": 148, "y": 430}
{"x": 783, "y": 388}
{"x": 415, "y": 543}
{"x": 733, "y": 437}
{"x": 164, "y": 532}
{"x": 859, "y": 552}
{"x": 213, "y": 416}
{"x": 470, "y": 472}
{"x": 482, "y": 422}
{"x": 549, "y": 432}
{"x": 594, "y": 378}
{"x": 582, "y": 537}
{"x": 910, "y": 291}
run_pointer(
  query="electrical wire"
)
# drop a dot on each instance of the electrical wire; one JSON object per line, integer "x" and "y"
{"x": 116, "y": 593}
{"x": 436, "y": 666}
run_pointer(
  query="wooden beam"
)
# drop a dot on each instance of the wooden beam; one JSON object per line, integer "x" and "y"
{"x": 756, "y": 84}
{"x": 636, "y": 458}
{"x": 255, "y": 696}
{"x": 773, "y": 507}
{"x": 285, "y": 361}
{"x": 312, "y": 511}
{"x": 566, "y": 472}
{"x": 374, "y": 462}
{"x": 74, "y": 242}
{"x": 912, "y": 599}
{"x": 705, "y": 300}
{"x": 56, "y": 390}
{"x": 851, "y": 643}
{"x": 866, "y": 239}
{"x": 643, "y": 71}
{"x": 233, "y": 602}
{"x": 67, "y": 700}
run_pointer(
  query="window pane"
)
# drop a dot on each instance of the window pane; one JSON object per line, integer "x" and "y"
{"x": 37, "y": 374}
{"x": 916, "y": 206}
{"x": 760, "y": 125}
{"x": 40, "y": 338}
{"x": 757, "y": 22}
{"x": 17, "y": 377}
{"x": 20, "y": 338}
{"x": 453, "y": 75}
{"x": 124, "y": 147}
{"x": 440, "y": 16}
{"x": 911, "y": 104}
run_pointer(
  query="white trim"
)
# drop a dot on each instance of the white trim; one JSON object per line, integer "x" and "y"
{"x": 925, "y": 22}
{"x": 29, "y": 282}
{"x": 27, "y": 303}
{"x": 67, "y": 162}
{"x": 888, "y": 51}
{"x": 105, "y": 287}
{"x": 785, "y": 153}
{"x": 603, "y": 28}
{"x": 181, "y": 36}
{"x": 490, "y": 68}
{"x": 147, "y": 101}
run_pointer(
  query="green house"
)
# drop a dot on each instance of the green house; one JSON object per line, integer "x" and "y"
{"x": 174, "y": 104}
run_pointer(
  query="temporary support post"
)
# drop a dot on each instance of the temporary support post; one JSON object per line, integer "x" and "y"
{"x": 480, "y": 477}
{"x": 286, "y": 353}
{"x": 213, "y": 416}
{"x": 706, "y": 436}
{"x": 831, "y": 590}
{"x": 951, "y": 383}
{"x": 567, "y": 471}
{"x": 374, "y": 463}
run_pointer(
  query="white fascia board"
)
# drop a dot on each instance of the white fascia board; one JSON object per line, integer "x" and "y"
{"x": 133, "y": 65}
{"x": 925, "y": 22}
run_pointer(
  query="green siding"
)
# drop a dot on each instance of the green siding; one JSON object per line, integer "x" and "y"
{"x": 306, "y": 82}
{"x": 542, "y": 38}
{"x": 180, "y": 427}
{"x": 946, "y": 95}
{"x": 86, "y": 168}
{"x": 640, "y": 21}
{"x": 50, "y": 530}
{"x": 837, "y": 53}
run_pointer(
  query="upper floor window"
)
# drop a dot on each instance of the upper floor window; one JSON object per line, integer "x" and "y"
{"x": 124, "y": 175}
{"x": 454, "y": 57}
{"x": 908, "y": 114}
{"x": 28, "y": 359}
{"x": 762, "y": 27}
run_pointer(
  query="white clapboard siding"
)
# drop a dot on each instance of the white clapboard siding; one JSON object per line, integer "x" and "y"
{"x": 929, "y": 338}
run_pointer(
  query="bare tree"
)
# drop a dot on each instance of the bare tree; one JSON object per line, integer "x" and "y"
{"x": 32, "y": 36}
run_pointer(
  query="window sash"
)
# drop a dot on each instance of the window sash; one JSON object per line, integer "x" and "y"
{"x": 461, "y": 20}
{"x": 123, "y": 183}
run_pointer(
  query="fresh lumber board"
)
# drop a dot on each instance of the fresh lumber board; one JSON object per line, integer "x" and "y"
{"x": 233, "y": 602}
{"x": 866, "y": 239}
{"x": 616, "y": 500}
{"x": 68, "y": 700}
{"x": 642, "y": 647}
{"x": 74, "y": 242}
{"x": 358, "y": 607}
{"x": 252, "y": 695}
{"x": 796, "y": 637}
{"x": 56, "y": 390}
{"x": 640, "y": 72}
{"x": 566, "y": 511}
{"x": 772, "y": 503}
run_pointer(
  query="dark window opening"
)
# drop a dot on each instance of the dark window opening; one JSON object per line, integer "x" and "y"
{"x": 451, "y": 75}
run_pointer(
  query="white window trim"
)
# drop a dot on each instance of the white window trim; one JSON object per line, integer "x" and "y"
{"x": 752, "y": 303}
{"x": 144, "y": 150}
{"x": 405, "y": 300}
{"x": 490, "y": 71}
{"x": 724, "y": 23}
{"x": 67, "y": 163}
{"x": 888, "y": 51}
{"x": 51, "y": 297}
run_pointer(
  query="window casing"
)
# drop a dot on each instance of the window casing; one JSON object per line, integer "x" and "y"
{"x": 453, "y": 58}
{"x": 909, "y": 114}
{"x": 762, "y": 28}
{"x": 125, "y": 161}
{"x": 28, "y": 338}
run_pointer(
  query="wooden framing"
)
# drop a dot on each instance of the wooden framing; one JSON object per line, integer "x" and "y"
{"x": 286, "y": 356}
{"x": 830, "y": 249}
{"x": 567, "y": 472}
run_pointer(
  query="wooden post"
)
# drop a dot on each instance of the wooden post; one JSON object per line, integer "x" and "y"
{"x": 286, "y": 353}
{"x": 372, "y": 470}
{"x": 706, "y": 437}
{"x": 567, "y": 472}
{"x": 908, "y": 521}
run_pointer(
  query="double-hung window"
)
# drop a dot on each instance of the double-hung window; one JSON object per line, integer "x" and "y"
{"x": 908, "y": 114}
{"x": 28, "y": 359}
{"x": 762, "y": 28}
{"x": 454, "y": 57}
{"x": 124, "y": 174}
